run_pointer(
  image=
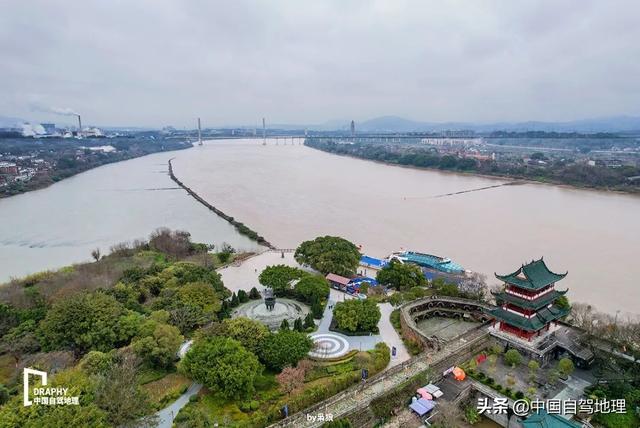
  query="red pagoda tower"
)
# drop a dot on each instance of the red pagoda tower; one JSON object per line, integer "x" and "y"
{"x": 527, "y": 306}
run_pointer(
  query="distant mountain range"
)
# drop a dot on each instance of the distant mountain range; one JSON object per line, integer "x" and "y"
{"x": 399, "y": 124}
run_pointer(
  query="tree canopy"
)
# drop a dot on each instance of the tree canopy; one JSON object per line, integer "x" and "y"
{"x": 357, "y": 315}
{"x": 223, "y": 364}
{"x": 279, "y": 277}
{"x": 312, "y": 288}
{"x": 512, "y": 357}
{"x": 158, "y": 345}
{"x": 84, "y": 322}
{"x": 285, "y": 348}
{"x": 329, "y": 254}
{"x": 401, "y": 276}
{"x": 250, "y": 333}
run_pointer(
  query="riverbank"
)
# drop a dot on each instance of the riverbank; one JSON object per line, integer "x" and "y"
{"x": 514, "y": 179}
{"x": 50, "y": 161}
{"x": 240, "y": 227}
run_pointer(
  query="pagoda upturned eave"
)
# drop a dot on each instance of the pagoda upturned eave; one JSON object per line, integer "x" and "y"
{"x": 537, "y": 303}
{"x": 532, "y": 324}
{"x": 532, "y": 276}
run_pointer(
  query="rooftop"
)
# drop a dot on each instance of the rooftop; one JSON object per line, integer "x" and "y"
{"x": 532, "y": 276}
{"x": 542, "y": 419}
{"x": 332, "y": 277}
{"x": 535, "y": 304}
{"x": 534, "y": 323}
{"x": 372, "y": 262}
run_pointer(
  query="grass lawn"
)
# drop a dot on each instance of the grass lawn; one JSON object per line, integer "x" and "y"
{"x": 148, "y": 374}
{"x": 163, "y": 391}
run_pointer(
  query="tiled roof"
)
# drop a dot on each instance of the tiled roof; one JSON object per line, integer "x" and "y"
{"x": 542, "y": 419}
{"x": 532, "y": 276}
{"x": 538, "y": 303}
{"x": 534, "y": 323}
{"x": 337, "y": 279}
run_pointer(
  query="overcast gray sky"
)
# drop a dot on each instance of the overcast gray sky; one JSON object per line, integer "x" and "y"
{"x": 161, "y": 62}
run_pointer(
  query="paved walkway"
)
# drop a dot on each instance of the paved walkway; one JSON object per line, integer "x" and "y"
{"x": 244, "y": 276}
{"x": 391, "y": 336}
{"x": 168, "y": 414}
{"x": 361, "y": 343}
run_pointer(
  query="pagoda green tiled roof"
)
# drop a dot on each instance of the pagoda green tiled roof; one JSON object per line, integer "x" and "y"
{"x": 532, "y": 276}
{"x": 542, "y": 419}
{"x": 535, "y": 323}
{"x": 538, "y": 303}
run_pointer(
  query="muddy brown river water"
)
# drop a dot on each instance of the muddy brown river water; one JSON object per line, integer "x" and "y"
{"x": 290, "y": 193}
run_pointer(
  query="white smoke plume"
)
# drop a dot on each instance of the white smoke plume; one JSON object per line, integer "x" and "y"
{"x": 63, "y": 111}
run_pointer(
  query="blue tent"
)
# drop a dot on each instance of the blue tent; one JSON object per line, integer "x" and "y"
{"x": 422, "y": 406}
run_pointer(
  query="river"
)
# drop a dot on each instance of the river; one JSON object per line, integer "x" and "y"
{"x": 289, "y": 193}
{"x": 61, "y": 224}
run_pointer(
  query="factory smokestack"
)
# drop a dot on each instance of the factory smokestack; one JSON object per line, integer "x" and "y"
{"x": 79, "y": 125}
{"x": 199, "y": 133}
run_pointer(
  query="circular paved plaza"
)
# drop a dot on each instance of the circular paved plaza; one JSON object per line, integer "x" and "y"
{"x": 328, "y": 345}
{"x": 284, "y": 309}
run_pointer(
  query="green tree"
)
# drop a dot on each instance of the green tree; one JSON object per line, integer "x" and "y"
{"x": 9, "y": 318}
{"x": 118, "y": 393}
{"x": 182, "y": 273}
{"x": 308, "y": 321}
{"x": 83, "y": 322}
{"x": 285, "y": 348}
{"x": 200, "y": 295}
{"x": 565, "y": 366}
{"x": 242, "y": 296}
{"x": 279, "y": 277}
{"x": 512, "y": 357}
{"x": 357, "y": 315}
{"x": 96, "y": 363}
{"x": 234, "y": 300}
{"x": 311, "y": 288}
{"x": 223, "y": 364}
{"x": 401, "y": 276}
{"x": 160, "y": 346}
{"x": 250, "y": 333}
{"x": 284, "y": 325}
{"x": 254, "y": 293}
{"x": 316, "y": 310}
{"x": 297, "y": 325}
{"x": 329, "y": 254}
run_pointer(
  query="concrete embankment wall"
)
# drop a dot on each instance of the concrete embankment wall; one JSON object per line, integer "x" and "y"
{"x": 260, "y": 240}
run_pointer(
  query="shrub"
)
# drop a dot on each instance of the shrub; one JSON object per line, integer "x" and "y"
{"x": 519, "y": 395}
{"x": 357, "y": 315}
{"x": 512, "y": 357}
{"x": 254, "y": 293}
